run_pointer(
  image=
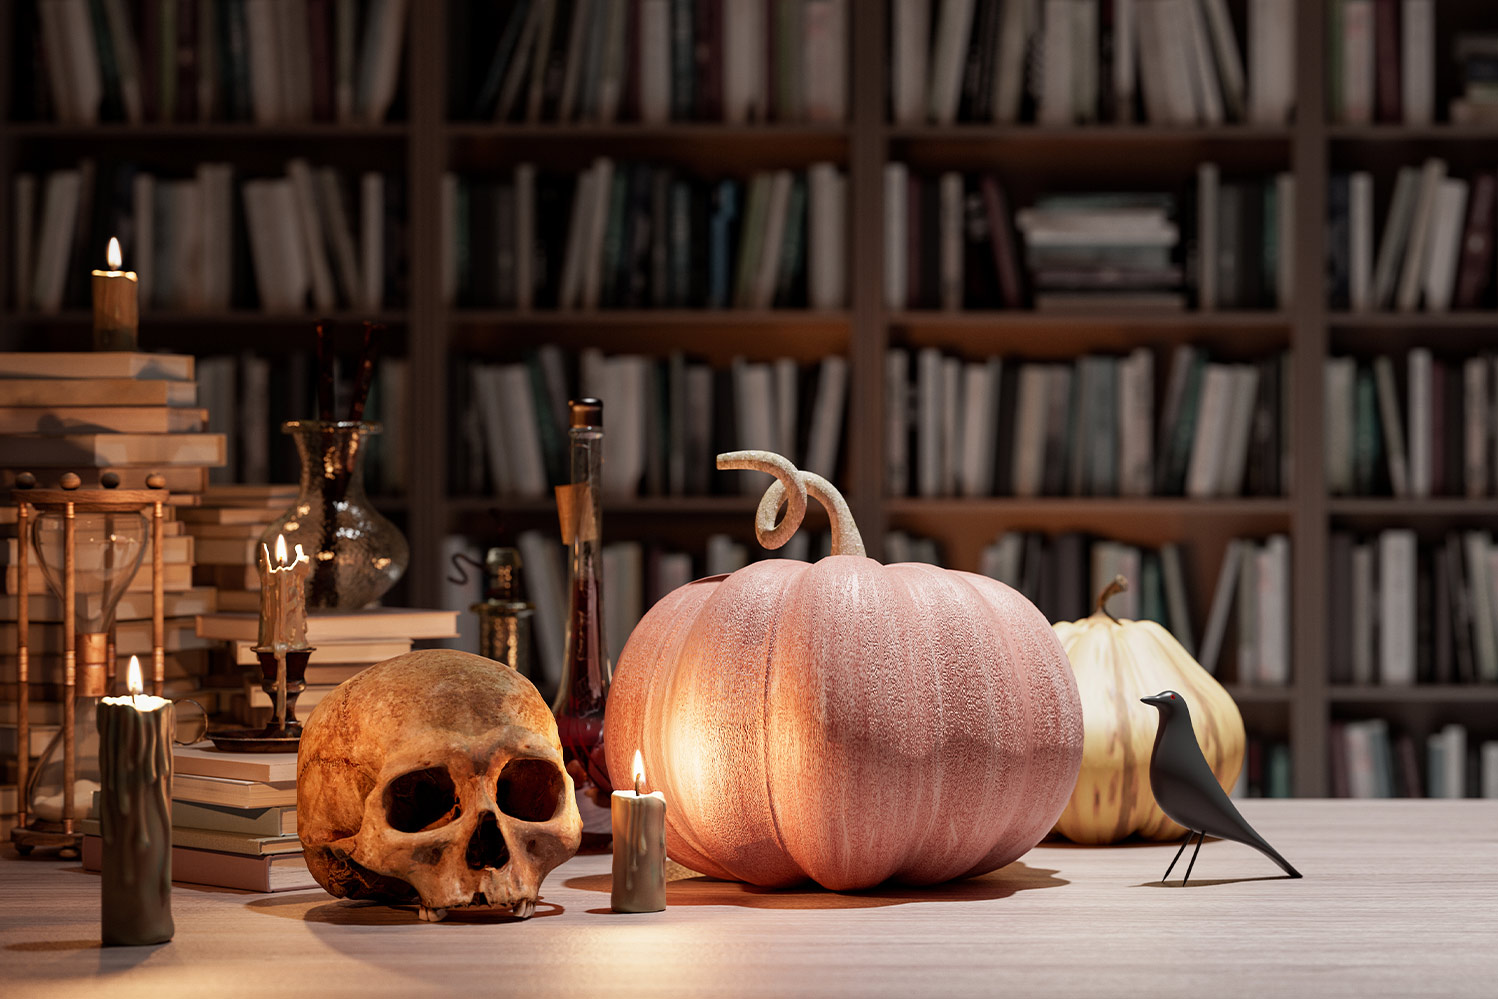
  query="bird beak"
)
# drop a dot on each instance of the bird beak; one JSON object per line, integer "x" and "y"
{"x": 1153, "y": 699}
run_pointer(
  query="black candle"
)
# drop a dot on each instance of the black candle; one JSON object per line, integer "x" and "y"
{"x": 135, "y": 763}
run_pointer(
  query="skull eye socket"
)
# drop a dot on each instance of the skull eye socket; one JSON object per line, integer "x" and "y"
{"x": 530, "y": 790}
{"x": 421, "y": 800}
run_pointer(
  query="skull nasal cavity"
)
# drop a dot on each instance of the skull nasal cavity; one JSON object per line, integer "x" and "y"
{"x": 487, "y": 848}
{"x": 529, "y": 790}
{"x": 421, "y": 799}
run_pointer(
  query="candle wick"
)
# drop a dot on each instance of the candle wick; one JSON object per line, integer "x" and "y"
{"x": 639, "y": 781}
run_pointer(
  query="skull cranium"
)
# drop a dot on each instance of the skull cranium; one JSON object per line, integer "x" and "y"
{"x": 435, "y": 777}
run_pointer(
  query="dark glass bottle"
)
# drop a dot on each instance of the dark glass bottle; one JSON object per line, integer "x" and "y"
{"x": 586, "y": 669}
{"x": 504, "y": 618}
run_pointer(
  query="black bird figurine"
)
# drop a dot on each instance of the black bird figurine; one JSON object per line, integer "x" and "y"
{"x": 1188, "y": 792}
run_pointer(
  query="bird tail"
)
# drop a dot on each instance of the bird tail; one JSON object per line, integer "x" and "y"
{"x": 1274, "y": 855}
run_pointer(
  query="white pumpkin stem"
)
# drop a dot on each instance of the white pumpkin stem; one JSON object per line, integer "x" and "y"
{"x": 790, "y": 487}
{"x": 1119, "y": 585}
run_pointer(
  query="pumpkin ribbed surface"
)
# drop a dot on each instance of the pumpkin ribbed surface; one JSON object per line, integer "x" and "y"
{"x": 848, "y": 722}
{"x": 1116, "y": 663}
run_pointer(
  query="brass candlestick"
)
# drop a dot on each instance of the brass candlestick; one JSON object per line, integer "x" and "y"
{"x": 282, "y": 650}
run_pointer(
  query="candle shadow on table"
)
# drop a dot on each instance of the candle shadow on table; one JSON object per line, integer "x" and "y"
{"x": 685, "y": 887}
{"x": 317, "y": 907}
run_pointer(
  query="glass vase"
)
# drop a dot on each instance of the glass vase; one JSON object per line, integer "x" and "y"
{"x": 357, "y": 555}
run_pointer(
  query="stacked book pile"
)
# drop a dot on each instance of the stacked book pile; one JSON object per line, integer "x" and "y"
{"x": 1406, "y": 611}
{"x": 1103, "y": 251}
{"x": 225, "y": 528}
{"x": 1065, "y": 62}
{"x": 346, "y": 642}
{"x": 1435, "y": 250}
{"x": 233, "y": 821}
{"x": 653, "y": 61}
{"x": 1370, "y": 761}
{"x": 315, "y": 235}
{"x": 85, "y": 61}
{"x": 1477, "y": 57}
{"x": 640, "y": 235}
{"x": 131, "y": 414}
{"x": 666, "y": 420}
{"x": 1090, "y": 427}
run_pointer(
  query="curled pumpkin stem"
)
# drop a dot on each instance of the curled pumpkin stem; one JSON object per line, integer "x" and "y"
{"x": 1119, "y": 585}
{"x": 791, "y": 487}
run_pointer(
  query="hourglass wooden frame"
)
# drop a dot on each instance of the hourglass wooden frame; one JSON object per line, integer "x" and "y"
{"x": 70, "y": 500}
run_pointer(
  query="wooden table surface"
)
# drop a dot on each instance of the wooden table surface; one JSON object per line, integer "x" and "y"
{"x": 1399, "y": 898}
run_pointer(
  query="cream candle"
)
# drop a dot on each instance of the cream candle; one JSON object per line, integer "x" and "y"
{"x": 135, "y": 764}
{"x": 283, "y": 612}
{"x": 639, "y": 826}
{"x": 116, "y": 304}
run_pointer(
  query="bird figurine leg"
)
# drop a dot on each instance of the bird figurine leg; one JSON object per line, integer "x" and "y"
{"x": 1184, "y": 843}
{"x": 1198, "y": 849}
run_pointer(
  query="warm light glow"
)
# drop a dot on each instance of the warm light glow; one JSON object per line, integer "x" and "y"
{"x": 113, "y": 255}
{"x": 638, "y": 770}
{"x": 132, "y": 677}
{"x": 280, "y": 549}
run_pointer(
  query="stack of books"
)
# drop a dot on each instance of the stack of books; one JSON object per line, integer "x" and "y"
{"x": 1066, "y": 62}
{"x": 90, "y": 413}
{"x": 233, "y": 821}
{"x": 653, "y": 61}
{"x": 1266, "y": 770}
{"x": 1103, "y": 251}
{"x": 317, "y": 236}
{"x": 249, "y": 60}
{"x": 667, "y": 419}
{"x": 1381, "y": 63}
{"x": 346, "y": 643}
{"x": 1435, "y": 250}
{"x": 225, "y": 528}
{"x": 1477, "y": 57}
{"x": 1368, "y": 760}
{"x": 1433, "y": 438}
{"x": 1406, "y": 610}
{"x": 1063, "y": 574}
{"x": 640, "y": 235}
{"x": 1091, "y": 427}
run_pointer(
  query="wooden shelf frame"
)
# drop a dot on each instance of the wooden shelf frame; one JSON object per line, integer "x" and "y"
{"x": 435, "y": 336}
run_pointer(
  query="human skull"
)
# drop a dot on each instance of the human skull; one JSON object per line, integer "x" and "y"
{"x": 435, "y": 777}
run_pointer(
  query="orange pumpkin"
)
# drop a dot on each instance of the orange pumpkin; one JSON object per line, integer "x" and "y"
{"x": 846, "y": 722}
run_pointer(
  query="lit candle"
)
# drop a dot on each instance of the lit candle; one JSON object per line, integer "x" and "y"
{"x": 135, "y": 766}
{"x": 639, "y": 821}
{"x": 116, "y": 306}
{"x": 283, "y": 612}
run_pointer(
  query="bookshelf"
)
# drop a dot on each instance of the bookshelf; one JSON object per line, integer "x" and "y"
{"x": 426, "y": 143}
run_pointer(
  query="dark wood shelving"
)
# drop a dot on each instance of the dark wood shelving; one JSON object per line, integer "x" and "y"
{"x": 1421, "y": 321}
{"x": 197, "y": 131}
{"x": 1403, "y": 508}
{"x": 1442, "y": 693}
{"x": 1032, "y": 158}
{"x": 1101, "y": 133}
{"x": 232, "y": 317}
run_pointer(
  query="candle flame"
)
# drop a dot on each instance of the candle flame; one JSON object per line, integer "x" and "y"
{"x": 280, "y": 549}
{"x": 132, "y": 677}
{"x": 638, "y": 770}
{"x": 113, "y": 255}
